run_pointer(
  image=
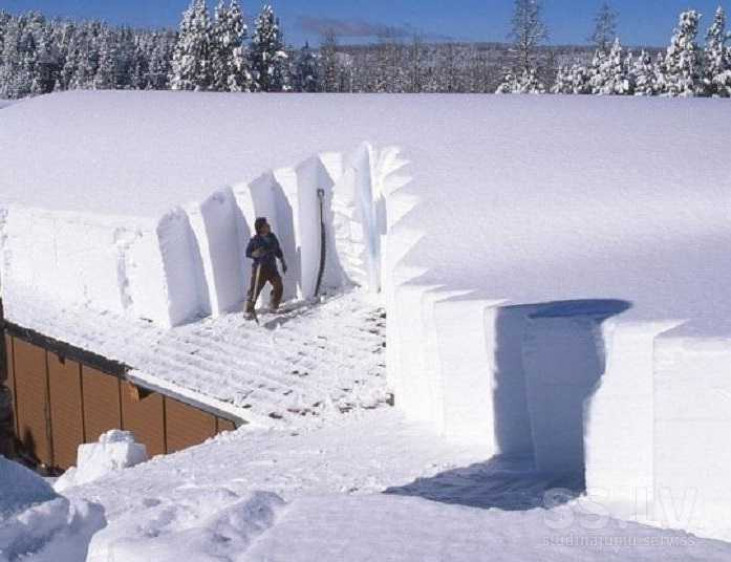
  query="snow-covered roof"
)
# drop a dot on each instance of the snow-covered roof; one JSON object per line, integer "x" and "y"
{"x": 529, "y": 199}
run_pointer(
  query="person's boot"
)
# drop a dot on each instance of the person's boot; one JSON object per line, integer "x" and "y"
{"x": 249, "y": 311}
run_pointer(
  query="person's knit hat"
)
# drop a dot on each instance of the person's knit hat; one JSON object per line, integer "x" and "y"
{"x": 259, "y": 224}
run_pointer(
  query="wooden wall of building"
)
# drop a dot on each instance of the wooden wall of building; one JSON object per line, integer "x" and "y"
{"x": 60, "y": 403}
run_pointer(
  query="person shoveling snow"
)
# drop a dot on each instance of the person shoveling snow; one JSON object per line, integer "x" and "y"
{"x": 264, "y": 249}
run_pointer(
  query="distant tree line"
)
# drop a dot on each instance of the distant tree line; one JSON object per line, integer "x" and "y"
{"x": 216, "y": 52}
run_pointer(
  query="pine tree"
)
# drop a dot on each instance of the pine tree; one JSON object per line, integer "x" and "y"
{"x": 717, "y": 65}
{"x": 268, "y": 57}
{"x": 160, "y": 57}
{"x": 528, "y": 32}
{"x": 644, "y": 75}
{"x": 596, "y": 70}
{"x": 106, "y": 73}
{"x": 605, "y": 28}
{"x": 329, "y": 62}
{"x": 191, "y": 67}
{"x": 525, "y": 83}
{"x": 580, "y": 79}
{"x": 681, "y": 72}
{"x": 611, "y": 74}
{"x": 562, "y": 84}
{"x": 229, "y": 63}
{"x": 305, "y": 76}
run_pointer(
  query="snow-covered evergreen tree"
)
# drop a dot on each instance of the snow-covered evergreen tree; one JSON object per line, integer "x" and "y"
{"x": 268, "y": 57}
{"x": 229, "y": 56}
{"x": 191, "y": 67}
{"x": 717, "y": 64}
{"x": 610, "y": 75}
{"x": 329, "y": 62}
{"x": 682, "y": 69}
{"x": 526, "y": 83}
{"x": 643, "y": 72}
{"x": 562, "y": 84}
{"x": 605, "y": 28}
{"x": 106, "y": 72}
{"x": 580, "y": 79}
{"x": 528, "y": 32}
{"x": 305, "y": 74}
{"x": 160, "y": 57}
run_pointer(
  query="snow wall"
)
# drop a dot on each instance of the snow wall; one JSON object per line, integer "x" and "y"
{"x": 642, "y": 414}
{"x": 190, "y": 263}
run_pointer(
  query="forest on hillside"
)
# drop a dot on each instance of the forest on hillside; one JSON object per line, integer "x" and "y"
{"x": 219, "y": 51}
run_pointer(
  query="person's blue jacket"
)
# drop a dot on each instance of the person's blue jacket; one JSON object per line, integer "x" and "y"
{"x": 271, "y": 250}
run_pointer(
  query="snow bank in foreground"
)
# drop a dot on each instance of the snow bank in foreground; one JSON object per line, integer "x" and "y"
{"x": 391, "y": 529}
{"x": 204, "y": 524}
{"x": 332, "y": 481}
{"x": 116, "y": 450}
{"x": 38, "y": 525}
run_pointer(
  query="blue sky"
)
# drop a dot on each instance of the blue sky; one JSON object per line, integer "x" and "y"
{"x": 648, "y": 22}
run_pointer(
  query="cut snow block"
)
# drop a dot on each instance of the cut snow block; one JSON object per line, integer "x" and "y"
{"x": 108, "y": 263}
{"x": 214, "y": 223}
{"x": 185, "y": 282}
{"x": 355, "y": 222}
{"x": 692, "y": 445}
{"x": 65, "y": 256}
{"x": 334, "y": 164}
{"x": 398, "y": 321}
{"x": 146, "y": 284}
{"x": 415, "y": 386}
{"x": 619, "y": 416}
{"x": 312, "y": 176}
{"x": 466, "y": 359}
{"x": 115, "y": 450}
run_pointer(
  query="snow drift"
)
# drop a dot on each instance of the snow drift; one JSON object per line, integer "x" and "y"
{"x": 201, "y": 524}
{"x": 37, "y": 524}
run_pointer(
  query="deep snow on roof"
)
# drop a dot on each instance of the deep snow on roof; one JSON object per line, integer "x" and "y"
{"x": 529, "y": 199}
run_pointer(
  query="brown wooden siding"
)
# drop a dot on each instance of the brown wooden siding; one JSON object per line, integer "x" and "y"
{"x": 32, "y": 407}
{"x": 143, "y": 414}
{"x": 187, "y": 426}
{"x": 10, "y": 370}
{"x": 102, "y": 409}
{"x": 67, "y": 411}
{"x": 60, "y": 403}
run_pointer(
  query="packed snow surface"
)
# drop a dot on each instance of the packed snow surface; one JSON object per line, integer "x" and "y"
{"x": 318, "y": 495}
